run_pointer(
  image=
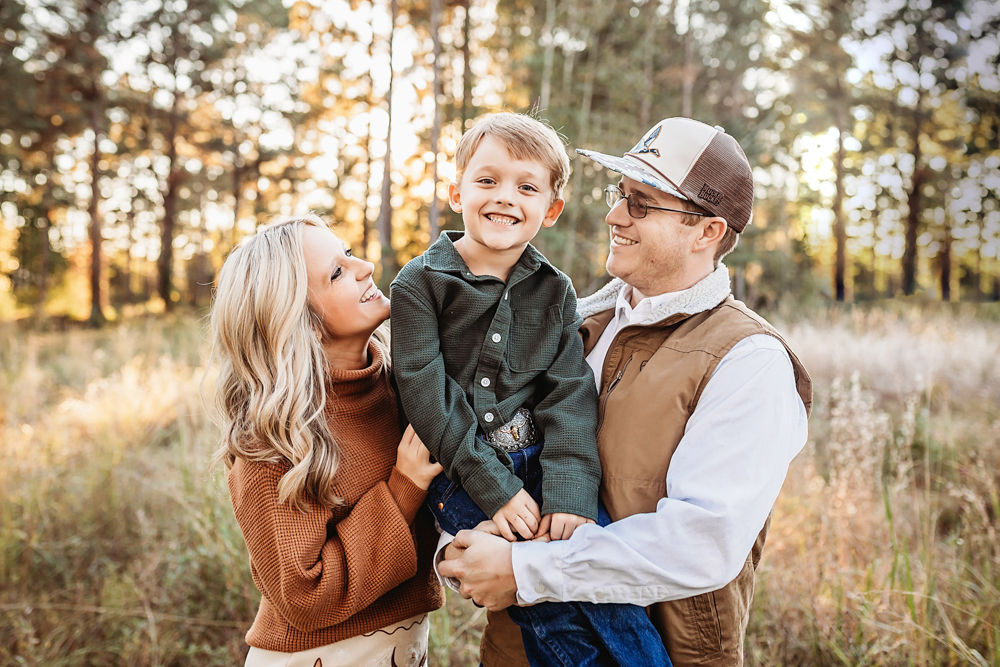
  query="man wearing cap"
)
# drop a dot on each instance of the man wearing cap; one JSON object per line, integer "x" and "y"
{"x": 702, "y": 408}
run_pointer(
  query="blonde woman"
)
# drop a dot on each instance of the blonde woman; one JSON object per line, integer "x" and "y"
{"x": 327, "y": 491}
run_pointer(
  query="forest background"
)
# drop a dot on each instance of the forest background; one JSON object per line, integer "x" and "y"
{"x": 140, "y": 140}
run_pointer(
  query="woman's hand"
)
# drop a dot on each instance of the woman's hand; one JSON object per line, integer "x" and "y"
{"x": 414, "y": 461}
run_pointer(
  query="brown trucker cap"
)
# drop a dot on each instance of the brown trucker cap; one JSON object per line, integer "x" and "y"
{"x": 694, "y": 162}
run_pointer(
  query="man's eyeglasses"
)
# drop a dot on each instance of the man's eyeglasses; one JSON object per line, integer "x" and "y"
{"x": 637, "y": 204}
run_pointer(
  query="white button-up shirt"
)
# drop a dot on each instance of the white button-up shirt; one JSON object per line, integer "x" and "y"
{"x": 721, "y": 485}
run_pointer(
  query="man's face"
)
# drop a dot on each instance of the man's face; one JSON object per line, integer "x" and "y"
{"x": 650, "y": 253}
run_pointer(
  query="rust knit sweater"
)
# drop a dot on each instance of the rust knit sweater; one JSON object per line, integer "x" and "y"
{"x": 327, "y": 575}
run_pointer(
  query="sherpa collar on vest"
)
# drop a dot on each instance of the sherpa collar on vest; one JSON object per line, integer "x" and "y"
{"x": 706, "y": 294}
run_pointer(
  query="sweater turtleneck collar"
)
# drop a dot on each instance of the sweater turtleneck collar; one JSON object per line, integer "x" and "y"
{"x": 352, "y": 383}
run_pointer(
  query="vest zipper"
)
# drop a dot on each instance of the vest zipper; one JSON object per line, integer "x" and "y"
{"x": 611, "y": 388}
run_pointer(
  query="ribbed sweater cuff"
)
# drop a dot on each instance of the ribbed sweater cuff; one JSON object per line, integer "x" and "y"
{"x": 408, "y": 495}
{"x": 570, "y": 495}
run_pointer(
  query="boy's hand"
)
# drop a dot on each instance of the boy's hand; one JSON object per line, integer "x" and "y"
{"x": 520, "y": 514}
{"x": 414, "y": 461}
{"x": 560, "y": 526}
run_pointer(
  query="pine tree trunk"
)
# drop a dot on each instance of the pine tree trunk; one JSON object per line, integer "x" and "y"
{"x": 237, "y": 193}
{"x": 166, "y": 260}
{"x": 980, "y": 296}
{"x": 569, "y": 60}
{"x": 129, "y": 294}
{"x": 688, "y": 82}
{"x": 389, "y": 265}
{"x": 913, "y": 203}
{"x": 433, "y": 217}
{"x": 366, "y": 227}
{"x": 96, "y": 314}
{"x": 909, "y": 277}
{"x": 467, "y": 66}
{"x": 645, "y": 109}
{"x": 583, "y": 134}
{"x": 946, "y": 264}
{"x": 43, "y": 268}
{"x": 839, "y": 225}
{"x": 550, "y": 53}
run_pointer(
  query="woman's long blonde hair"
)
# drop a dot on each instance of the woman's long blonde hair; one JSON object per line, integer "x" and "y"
{"x": 271, "y": 389}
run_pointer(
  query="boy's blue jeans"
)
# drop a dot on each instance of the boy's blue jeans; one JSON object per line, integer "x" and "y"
{"x": 558, "y": 634}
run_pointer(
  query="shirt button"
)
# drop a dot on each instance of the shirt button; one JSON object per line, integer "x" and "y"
{"x": 488, "y": 417}
{"x": 539, "y": 588}
{"x": 497, "y": 338}
{"x": 600, "y": 595}
{"x": 485, "y": 382}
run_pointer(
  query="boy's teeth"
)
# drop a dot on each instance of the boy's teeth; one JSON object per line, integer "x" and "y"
{"x": 622, "y": 241}
{"x": 502, "y": 219}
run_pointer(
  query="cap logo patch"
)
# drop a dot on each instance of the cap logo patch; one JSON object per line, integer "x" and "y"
{"x": 710, "y": 194}
{"x": 643, "y": 146}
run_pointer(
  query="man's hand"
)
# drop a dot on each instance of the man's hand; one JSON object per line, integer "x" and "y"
{"x": 560, "y": 526}
{"x": 452, "y": 551}
{"x": 484, "y": 567}
{"x": 520, "y": 514}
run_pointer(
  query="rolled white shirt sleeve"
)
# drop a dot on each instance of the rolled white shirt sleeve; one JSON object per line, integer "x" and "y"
{"x": 722, "y": 482}
{"x": 444, "y": 539}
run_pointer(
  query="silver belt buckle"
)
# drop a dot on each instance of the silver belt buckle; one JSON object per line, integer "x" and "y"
{"x": 518, "y": 433}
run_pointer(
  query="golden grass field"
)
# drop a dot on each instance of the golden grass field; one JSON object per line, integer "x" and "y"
{"x": 118, "y": 545}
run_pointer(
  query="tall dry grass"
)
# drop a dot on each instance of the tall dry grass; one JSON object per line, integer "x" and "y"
{"x": 118, "y": 545}
{"x": 884, "y": 547}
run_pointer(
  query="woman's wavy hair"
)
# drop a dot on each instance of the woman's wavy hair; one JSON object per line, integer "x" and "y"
{"x": 268, "y": 343}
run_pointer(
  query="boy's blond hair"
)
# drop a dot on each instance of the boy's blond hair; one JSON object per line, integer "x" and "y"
{"x": 525, "y": 138}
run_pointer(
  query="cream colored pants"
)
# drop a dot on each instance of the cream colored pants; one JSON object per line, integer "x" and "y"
{"x": 401, "y": 645}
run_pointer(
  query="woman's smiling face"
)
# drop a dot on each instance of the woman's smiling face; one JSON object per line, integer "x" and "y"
{"x": 341, "y": 290}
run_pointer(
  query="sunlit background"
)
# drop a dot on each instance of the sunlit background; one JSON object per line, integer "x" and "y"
{"x": 140, "y": 140}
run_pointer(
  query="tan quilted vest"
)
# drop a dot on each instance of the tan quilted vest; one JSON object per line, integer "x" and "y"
{"x": 653, "y": 377}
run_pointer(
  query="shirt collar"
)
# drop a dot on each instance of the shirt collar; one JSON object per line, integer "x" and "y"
{"x": 643, "y": 309}
{"x": 705, "y": 295}
{"x": 443, "y": 256}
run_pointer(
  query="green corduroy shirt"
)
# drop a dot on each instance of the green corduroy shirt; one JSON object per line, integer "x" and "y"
{"x": 470, "y": 350}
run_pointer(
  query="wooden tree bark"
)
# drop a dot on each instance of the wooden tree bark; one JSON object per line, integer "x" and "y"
{"x": 946, "y": 263}
{"x": 434, "y": 214}
{"x": 687, "y": 89}
{"x": 43, "y": 267}
{"x": 583, "y": 134}
{"x": 569, "y": 58}
{"x": 550, "y": 53}
{"x": 366, "y": 227}
{"x": 389, "y": 264}
{"x": 96, "y": 314}
{"x": 909, "y": 277}
{"x": 646, "y": 107}
{"x": 129, "y": 294}
{"x": 839, "y": 225}
{"x": 467, "y": 66}
{"x": 237, "y": 192}
{"x": 166, "y": 259}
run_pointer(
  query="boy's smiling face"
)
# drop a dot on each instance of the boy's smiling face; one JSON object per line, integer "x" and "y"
{"x": 503, "y": 201}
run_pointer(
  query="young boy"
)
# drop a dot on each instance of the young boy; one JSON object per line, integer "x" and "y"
{"x": 491, "y": 374}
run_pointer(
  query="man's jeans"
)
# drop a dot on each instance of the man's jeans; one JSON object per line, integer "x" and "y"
{"x": 558, "y": 634}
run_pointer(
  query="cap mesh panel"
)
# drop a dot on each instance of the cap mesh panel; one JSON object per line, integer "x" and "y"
{"x": 721, "y": 182}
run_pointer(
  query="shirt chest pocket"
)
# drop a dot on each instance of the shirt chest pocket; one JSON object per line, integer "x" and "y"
{"x": 534, "y": 338}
